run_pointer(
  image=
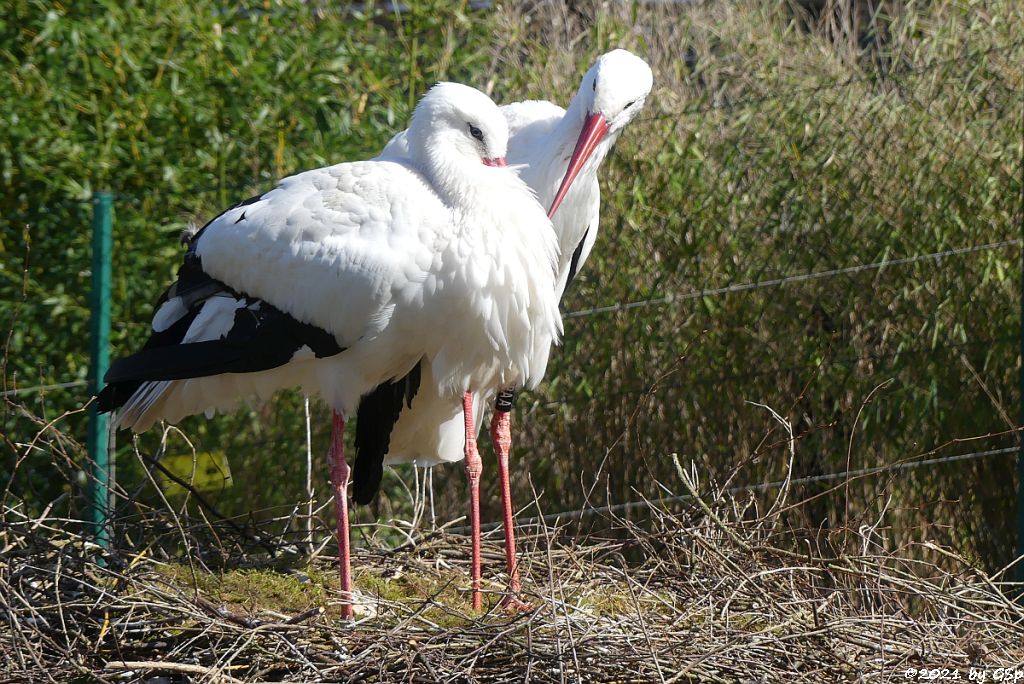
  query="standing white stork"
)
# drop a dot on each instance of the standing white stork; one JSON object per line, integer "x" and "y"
{"x": 559, "y": 152}
{"x": 343, "y": 278}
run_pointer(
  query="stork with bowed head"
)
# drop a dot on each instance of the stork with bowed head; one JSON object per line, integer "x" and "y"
{"x": 344, "y": 278}
{"x": 558, "y": 153}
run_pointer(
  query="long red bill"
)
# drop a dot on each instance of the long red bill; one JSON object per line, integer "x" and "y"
{"x": 595, "y": 127}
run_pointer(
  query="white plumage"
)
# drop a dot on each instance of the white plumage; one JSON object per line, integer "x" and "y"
{"x": 344, "y": 279}
{"x": 542, "y": 140}
{"x": 436, "y": 256}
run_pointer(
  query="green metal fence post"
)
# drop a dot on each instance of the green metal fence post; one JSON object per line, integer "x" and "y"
{"x": 99, "y": 360}
{"x": 1020, "y": 436}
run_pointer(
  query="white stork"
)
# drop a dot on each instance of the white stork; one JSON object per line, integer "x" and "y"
{"x": 342, "y": 279}
{"x": 559, "y": 152}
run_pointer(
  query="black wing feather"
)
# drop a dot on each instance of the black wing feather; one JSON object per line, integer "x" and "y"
{"x": 574, "y": 265}
{"x": 261, "y": 337}
{"x": 378, "y": 412}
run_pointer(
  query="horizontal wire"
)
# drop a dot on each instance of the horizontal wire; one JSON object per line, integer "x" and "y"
{"x": 760, "y": 487}
{"x": 684, "y": 296}
{"x": 547, "y": 404}
{"x": 784, "y": 280}
{"x": 841, "y": 362}
{"x": 43, "y": 388}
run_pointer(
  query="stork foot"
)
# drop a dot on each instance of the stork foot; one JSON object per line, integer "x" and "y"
{"x": 514, "y": 604}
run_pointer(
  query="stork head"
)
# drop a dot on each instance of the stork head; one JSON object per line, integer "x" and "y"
{"x": 619, "y": 83}
{"x": 455, "y": 124}
{"x": 614, "y": 91}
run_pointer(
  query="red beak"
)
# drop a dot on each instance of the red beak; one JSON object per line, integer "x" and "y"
{"x": 594, "y": 129}
{"x": 497, "y": 161}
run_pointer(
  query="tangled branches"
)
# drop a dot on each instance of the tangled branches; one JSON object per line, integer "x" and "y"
{"x": 707, "y": 593}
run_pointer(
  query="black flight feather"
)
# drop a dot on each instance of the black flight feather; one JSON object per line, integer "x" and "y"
{"x": 375, "y": 419}
{"x": 574, "y": 265}
{"x": 261, "y": 337}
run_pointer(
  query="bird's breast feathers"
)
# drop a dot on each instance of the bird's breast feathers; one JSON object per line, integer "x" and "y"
{"x": 505, "y": 266}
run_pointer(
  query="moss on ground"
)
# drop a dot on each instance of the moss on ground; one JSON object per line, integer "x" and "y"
{"x": 255, "y": 589}
{"x": 299, "y": 589}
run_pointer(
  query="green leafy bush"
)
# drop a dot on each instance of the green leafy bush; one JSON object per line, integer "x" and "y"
{"x": 780, "y": 144}
{"x": 181, "y": 109}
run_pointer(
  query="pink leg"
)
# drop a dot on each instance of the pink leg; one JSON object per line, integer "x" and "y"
{"x": 339, "y": 479}
{"x": 501, "y": 435}
{"x": 474, "y": 468}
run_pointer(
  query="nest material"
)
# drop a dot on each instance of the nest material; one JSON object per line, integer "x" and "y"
{"x": 702, "y": 595}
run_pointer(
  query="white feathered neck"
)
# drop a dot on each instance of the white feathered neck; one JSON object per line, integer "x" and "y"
{"x": 503, "y": 251}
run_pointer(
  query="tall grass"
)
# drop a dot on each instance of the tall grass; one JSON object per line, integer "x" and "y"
{"x": 180, "y": 110}
{"x": 772, "y": 149}
{"x": 782, "y": 139}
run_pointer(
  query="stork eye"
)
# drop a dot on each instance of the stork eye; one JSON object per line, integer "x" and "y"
{"x": 476, "y": 132}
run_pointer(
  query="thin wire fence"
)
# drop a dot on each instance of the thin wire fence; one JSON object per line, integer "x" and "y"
{"x": 868, "y": 193}
{"x": 892, "y": 199}
{"x": 562, "y": 517}
{"x": 786, "y": 280}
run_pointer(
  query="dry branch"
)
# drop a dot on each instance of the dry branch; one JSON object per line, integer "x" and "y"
{"x": 703, "y": 593}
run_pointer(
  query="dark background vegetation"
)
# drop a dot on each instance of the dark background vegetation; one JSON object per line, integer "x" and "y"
{"x": 783, "y": 138}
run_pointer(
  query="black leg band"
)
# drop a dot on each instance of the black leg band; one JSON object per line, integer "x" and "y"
{"x": 503, "y": 404}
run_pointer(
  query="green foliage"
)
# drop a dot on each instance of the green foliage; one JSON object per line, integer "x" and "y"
{"x": 779, "y": 149}
{"x": 779, "y": 154}
{"x": 181, "y": 109}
